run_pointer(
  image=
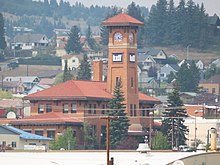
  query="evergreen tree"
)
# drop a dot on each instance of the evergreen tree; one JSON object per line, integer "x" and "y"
{"x": 135, "y": 11}
{"x": 73, "y": 44}
{"x": 66, "y": 74}
{"x": 119, "y": 127}
{"x": 89, "y": 136}
{"x": 173, "y": 123}
{"x": 90, "y": 40}
{"x": 188, "y": 77}
{"x": 159, "y": 142}
{"x": 104, "y": 30}
{"x": 2, "y": 33}
{"x": 157, "y": 23}
{"x": 84, "y": 72}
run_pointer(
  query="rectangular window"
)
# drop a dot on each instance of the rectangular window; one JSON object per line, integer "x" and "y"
{"x": 51, "y": 134}
{"x": 48, "y": 108}
{"x": 143, "y": 111}
{"x": 131, "y": 109}
{"x": 39, "y": 132}
{"x": 135, "y": 110}
{"x": 90, "y": 109}
{"x": 116, "y": 80}
{"x": 132, "y": 82}
{"x": 65, "y": 108}
{"x": 40, "y": 108}
{"x": 94, "y": 110}
{"x": 117, "y": 57}
{"x": 213, "y": 90}
{"x": 29, "y": 131}
{"x": 103, "y": 109}
{"x": 13, "y": 144}
{"x": 4, "y": 143}
{"x": 73, "y": 108}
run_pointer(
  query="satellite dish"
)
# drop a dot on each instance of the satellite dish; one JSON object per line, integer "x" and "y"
{"x": 178, "y": 162}
{"x": 11, "y": 115}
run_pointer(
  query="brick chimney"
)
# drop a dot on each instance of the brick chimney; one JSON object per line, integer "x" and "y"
{"x": 97, "y": 70}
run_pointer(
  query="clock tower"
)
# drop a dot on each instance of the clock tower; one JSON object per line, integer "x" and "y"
{"x": 122, "y": 58}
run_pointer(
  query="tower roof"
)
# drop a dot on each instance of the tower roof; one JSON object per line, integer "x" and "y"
{"x": 122, "y": 19}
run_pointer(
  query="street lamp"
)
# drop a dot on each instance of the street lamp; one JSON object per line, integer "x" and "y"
{"x": 150, "y": 131}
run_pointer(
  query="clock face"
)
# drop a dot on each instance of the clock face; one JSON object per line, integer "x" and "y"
{"x": 118, "y": 37}
{"x": 131, "y": 37}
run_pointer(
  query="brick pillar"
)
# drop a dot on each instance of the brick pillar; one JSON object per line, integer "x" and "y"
{"x": 97, "y": 70}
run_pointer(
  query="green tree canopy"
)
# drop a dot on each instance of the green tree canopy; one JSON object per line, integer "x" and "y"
{"x": 66, "y": 73}
{"x": 159, "y": 141}
{"x": 84, "y": 72}
{"x": 173, "y": 123}
{"x": 2, "y": 33}
{"x": 90, "y": 40}
{"x": 119, "y": 127}
{"x": 67, "y": 141}
{"x": 188, "y": 77}
{"x": 73, "y": 44}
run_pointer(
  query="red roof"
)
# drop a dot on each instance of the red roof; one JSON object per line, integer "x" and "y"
{"x": 79, "y": 89}
{"x": 194, "y": 110}
{"x": 50, "y": 118}
{"x": 73, "y": 89}
{"x": 122, "y": 19}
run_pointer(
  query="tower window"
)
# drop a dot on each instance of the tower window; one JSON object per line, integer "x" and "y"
{"x": 131, "y": 109}
{"x": 132, "y": 82}
{"x": 135, "y": 110}
{"x": 116, "y": 80}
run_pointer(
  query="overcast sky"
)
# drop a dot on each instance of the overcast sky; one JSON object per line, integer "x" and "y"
{"x": 211, "y": 6}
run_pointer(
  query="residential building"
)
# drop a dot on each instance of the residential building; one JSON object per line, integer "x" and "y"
{"x": 165, "y": 70}
{"x": 27, "y": 81}
{"x": 29, "y": 41}
{"x": 19, "y": 139}
{"x": 73, "y": 61}
{"x": 212, "y": 85}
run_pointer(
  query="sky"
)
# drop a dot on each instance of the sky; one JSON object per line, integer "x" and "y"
{"x": 211, "y": 6}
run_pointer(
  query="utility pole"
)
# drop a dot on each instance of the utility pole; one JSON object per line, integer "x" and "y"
{"x": 108, "y": 119}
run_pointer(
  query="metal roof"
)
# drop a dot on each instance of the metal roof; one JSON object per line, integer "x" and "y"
{"x": 25, "y": 135}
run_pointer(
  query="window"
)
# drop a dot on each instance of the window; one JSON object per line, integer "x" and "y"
{"x": 13, "y": 144}
{"x": 48, "y": 108}
{"x": 74, "y": 61}
{"x": 39, "y": 132}
{"x": 73, "y": 108}
{"x": 94, "y": 110}
{"x": 132, "y": 82}
{"x": 40, "y": 108}
{"x": 103, "y": 109}
{"x": 4, "y": 143}
{"x": 65, "y": 108}
{"x": 135, "y": 110}
{"x": 51, "y": 134}
{"x": 90, "y": 109}
{"x": 29, "y": 131}
{"x": 131, "y": 109}
{"x": 116, "y": 80}
{"x": 213, "y": 90}
{"x": 143, "y": 111}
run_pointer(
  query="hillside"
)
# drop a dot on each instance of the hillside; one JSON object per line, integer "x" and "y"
{"x": 194, "y": 54}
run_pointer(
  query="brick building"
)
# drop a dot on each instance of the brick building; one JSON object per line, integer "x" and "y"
{"x": 75, "y": 102}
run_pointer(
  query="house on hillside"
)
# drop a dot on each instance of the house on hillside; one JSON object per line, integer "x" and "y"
{"x": 73, "y": 61}
{"x": 214, "y": 23}
{"x": 20, "y": 140}
{"x": 212, "y": 85}
{"x": 199, "y": 64}
{"x": 29, "y": 41}
{"x": 27, "y": 81}
{"x": 166, "y": 70}
{"x": 146, "y": 61}
{"x": 15, "y": 87}
{"x": 157, "y": 54}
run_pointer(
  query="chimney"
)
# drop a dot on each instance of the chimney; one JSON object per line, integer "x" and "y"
{"x": 97, "y": 70}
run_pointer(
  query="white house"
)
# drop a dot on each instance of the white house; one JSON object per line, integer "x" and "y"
{"x": 20, "y": 140}
{"x": 73, "y": 61}
{"x": 29, "y": 41}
